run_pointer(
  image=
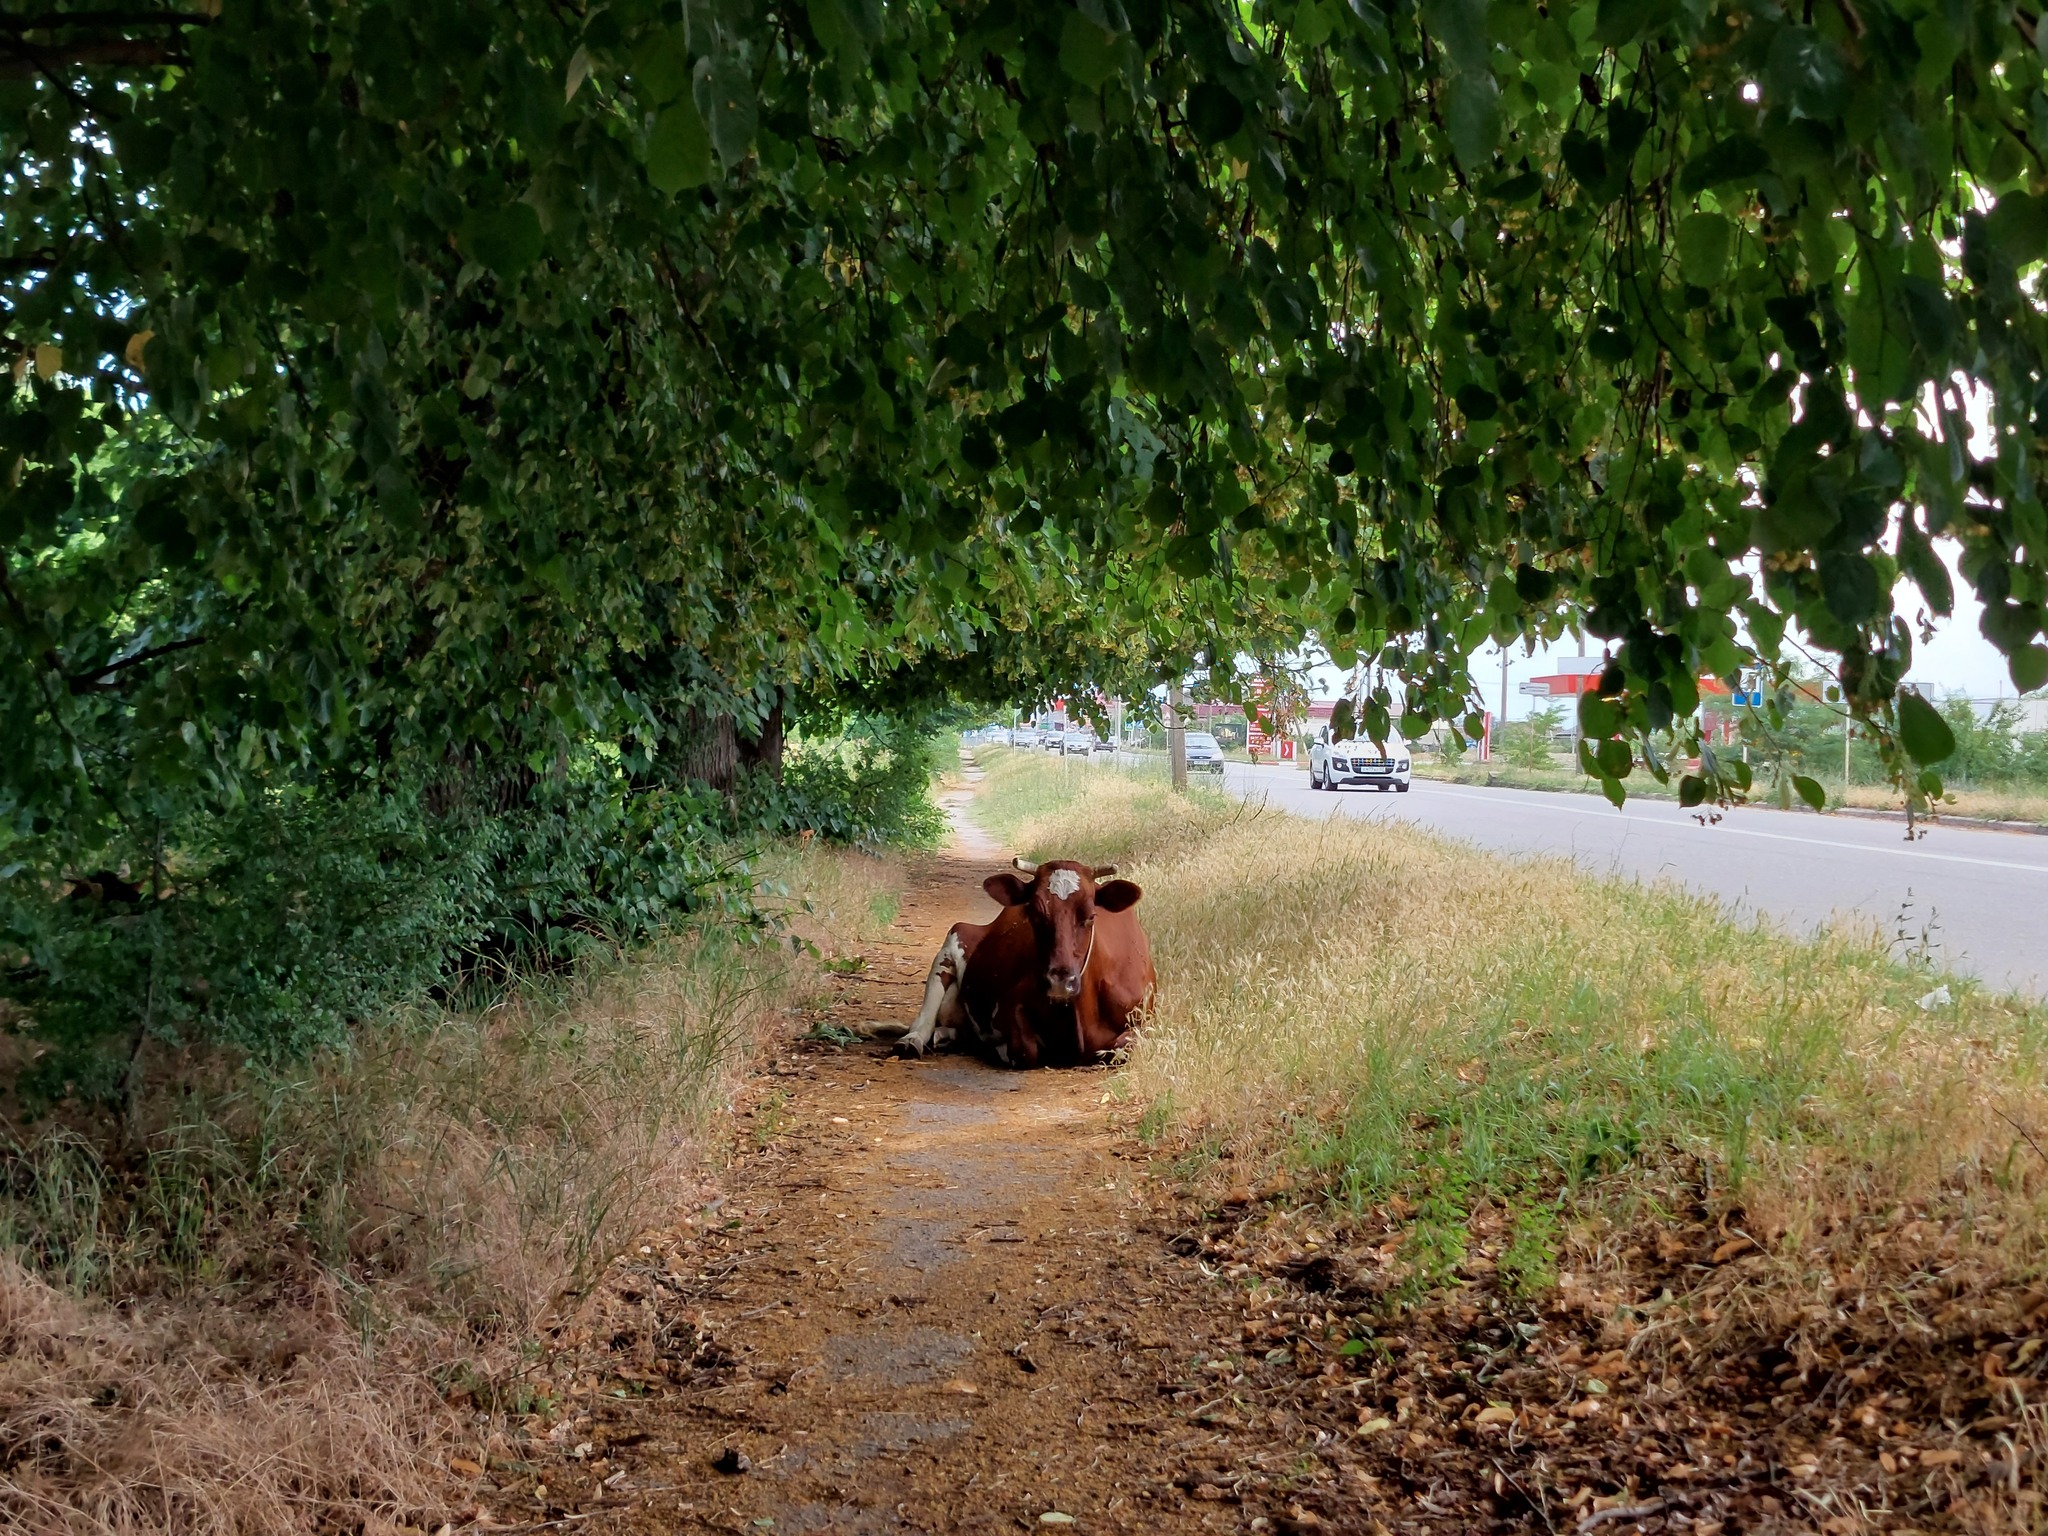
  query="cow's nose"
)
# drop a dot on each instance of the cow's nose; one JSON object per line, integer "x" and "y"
{"x": 1062, "y": 984}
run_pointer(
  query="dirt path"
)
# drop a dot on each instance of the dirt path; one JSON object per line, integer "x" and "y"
{"x": 931, "y": 1297}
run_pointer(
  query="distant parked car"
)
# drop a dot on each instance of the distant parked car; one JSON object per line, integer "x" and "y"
{"x": 1054, "y": 740}
{"x": 1080, "y": 741}
{"x": 1023, "y": 736}
{"x": 1103, "y": 746}
{"x": 1334, "y": 764}
{"x": 1204, "y": 755}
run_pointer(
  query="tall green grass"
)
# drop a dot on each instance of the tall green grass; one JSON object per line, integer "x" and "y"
{"x": 1403, "y": 1019}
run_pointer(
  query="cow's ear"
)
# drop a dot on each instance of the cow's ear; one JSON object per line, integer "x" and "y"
{"x": 1007, "y": 889}
{"x": 1117, "y": 896}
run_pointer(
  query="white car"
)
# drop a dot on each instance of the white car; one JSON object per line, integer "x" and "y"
{"x": 1204, "y": 754}
{"x": 1334, "y": 764}
{"x": 1023, "y": 736}
{"x": 1080, "y": 741}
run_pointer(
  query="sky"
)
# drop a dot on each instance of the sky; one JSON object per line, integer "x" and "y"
{"x": 1957, "y": 660}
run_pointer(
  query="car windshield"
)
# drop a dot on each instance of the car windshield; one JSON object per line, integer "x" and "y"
{"x": 1203, "y": 739}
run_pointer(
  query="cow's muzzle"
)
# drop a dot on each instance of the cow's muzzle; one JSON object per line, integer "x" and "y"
{"x": 1062, "y": 985}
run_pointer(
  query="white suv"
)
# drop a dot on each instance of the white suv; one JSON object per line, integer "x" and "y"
{"x": 1334, "y": 764}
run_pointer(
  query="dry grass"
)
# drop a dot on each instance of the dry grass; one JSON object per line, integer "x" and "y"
{"x": 307, "y": 1295}
{"x": 1989, "y": 804}
{"x": 1402, "y": 1019}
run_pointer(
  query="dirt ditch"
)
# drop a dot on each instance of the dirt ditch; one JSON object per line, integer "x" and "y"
{"x": 934, "y": 1296}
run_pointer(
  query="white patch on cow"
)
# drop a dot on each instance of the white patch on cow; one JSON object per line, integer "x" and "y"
{"x": 1063, "y": 883}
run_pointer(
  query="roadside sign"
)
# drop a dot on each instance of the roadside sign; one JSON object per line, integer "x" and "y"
{"x": 1536, "y": 690}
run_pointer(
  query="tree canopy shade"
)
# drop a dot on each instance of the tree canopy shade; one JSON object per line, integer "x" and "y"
{"x": 407, "y": 381}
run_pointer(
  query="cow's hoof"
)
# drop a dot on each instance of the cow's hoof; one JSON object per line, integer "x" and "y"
{"x": 908, "y": 1051}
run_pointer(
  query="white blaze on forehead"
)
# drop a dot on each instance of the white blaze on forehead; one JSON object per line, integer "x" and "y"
{"x": 1063, "y": 883}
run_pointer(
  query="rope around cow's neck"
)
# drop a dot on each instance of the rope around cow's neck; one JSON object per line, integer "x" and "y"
{"x": 1080, "y": 1034}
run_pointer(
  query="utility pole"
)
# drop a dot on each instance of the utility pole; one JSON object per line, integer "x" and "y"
{"x": 1503, "y": 685}
{"x": 1177, "y": 735}
{"x": 1848, "y": 736}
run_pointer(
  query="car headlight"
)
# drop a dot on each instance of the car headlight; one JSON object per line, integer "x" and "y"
{"x": 1404, "y": 765}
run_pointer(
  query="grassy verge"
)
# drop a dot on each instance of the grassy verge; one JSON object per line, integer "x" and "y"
{"x": 1990, "y": 804}
{"x": 1555, "y": 1202}
{"x": 296, "y": 1303}
{"x": 1987, "y": 804}
{"x": 1409, "y": 1024}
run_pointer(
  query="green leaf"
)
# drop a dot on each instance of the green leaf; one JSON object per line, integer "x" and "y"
{"x": 1922, "y": 732}
{"x": 1459, "y": 28}
{"x": 1692, "y": 791}
{"x": 1615, "y": 791}
{"x": 1375, "y": 724}
{"x": 1614, "y": 758}
{"x": 1352, "y": 1347}
{"x": 1478, "y": 402}
{"x": 661, "y": 68}
{"x": 1190, "y": 554}
{"x": 679, "y": 149}
{"x": 579, "y": 71}
{"x": 1343, "y": 722}
{"x": 2029, "y": 667}
{"x": 1214, "y": 112}
{"x": 1810, "y": 791}
{"x": 1807, "y": 73}
{"x": 1610, "y": 346}
{"x": 844, "y": 27}
{"x": 1619, "y": 22}
{"x": 1704, "y": 241}
{"x": 1739, "y": 158}
{"x": 1850, "y": 587}
{"x": 726, "y": 96}
{"x": 1472, "y": 117}
{"x": 1598, "y": 717}
{"x": 1087, "y": 52}
{"x": 506, "y": 240}
{"x": 2018, "y": 226}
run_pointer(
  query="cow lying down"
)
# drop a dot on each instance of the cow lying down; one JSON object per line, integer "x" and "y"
{"x": 1060, "y": 977}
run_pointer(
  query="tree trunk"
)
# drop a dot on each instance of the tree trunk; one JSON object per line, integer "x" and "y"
{"x": 1177, "y": 736}
{"x": 765, "y": 750}
{"x": 710, "y": 750}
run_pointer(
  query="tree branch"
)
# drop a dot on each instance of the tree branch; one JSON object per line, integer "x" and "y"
{"x": 29, "y": 61}
{"x": 97, "y": 679}
{"x": 52, "y": 21}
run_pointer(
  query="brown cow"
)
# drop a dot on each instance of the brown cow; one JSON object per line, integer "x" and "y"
{"x": 1059, "y": 977}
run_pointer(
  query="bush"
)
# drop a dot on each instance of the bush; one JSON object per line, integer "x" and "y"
{"x": 1527, "y": 744}
{"x": 273, "y": 925}
{"x": 868, "y": 787}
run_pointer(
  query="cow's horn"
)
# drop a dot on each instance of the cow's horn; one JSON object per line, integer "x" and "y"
{"x": 1024, "y": 866}
{"x": 1104, "y": 871}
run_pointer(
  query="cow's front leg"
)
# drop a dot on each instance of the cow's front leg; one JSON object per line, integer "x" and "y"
{"x": 941, "y": 989}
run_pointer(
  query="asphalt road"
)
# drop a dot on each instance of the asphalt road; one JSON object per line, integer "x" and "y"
{"x": 1984, "y": 894}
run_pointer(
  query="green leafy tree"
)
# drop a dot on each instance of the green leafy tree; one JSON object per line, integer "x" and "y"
{"x": 1527, "y": 744}
{"x": 445, "y": 401}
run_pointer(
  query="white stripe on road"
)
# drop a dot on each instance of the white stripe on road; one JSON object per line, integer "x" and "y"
{"x": 1776, "y": 837}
